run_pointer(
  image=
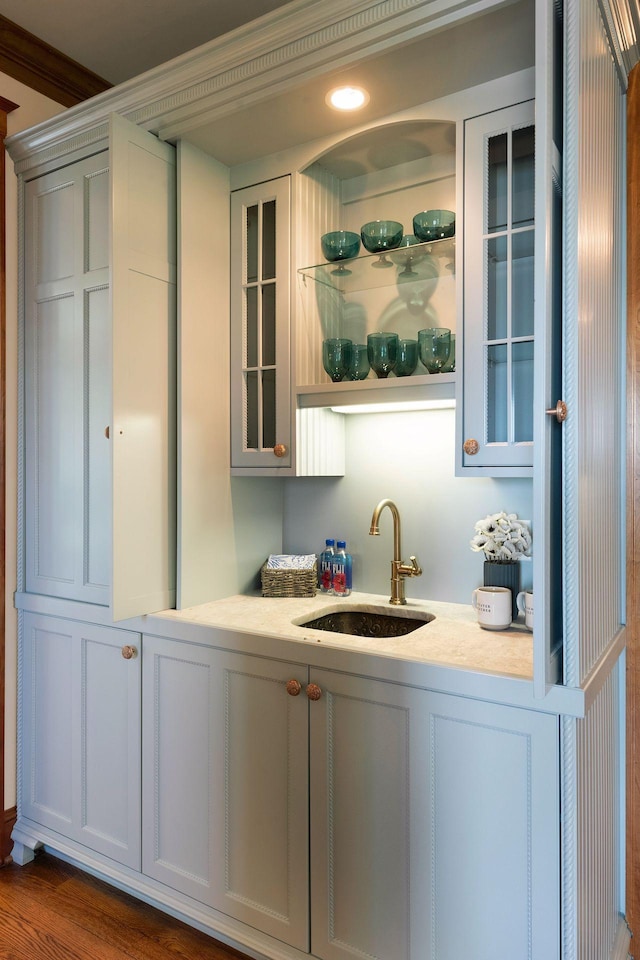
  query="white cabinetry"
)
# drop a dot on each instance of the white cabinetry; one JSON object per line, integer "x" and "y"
{"x": 499, "y": 243}
{"x": 415, "y": 800}
{"x": 81, "y": 734}
{"x": 260, "y": 339}
{"x": 225, "y": 784}
{"x": 99, "y": 377}
{"x": 433, "y": 825}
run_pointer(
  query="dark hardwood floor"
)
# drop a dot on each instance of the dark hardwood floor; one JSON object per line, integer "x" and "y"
{"x": 52, "y": 911}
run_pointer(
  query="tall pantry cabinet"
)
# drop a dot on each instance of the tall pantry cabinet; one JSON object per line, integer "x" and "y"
{"x": 99, "y": 361}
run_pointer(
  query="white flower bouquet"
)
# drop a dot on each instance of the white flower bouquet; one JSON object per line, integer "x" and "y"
{"x": 502, "y": 538}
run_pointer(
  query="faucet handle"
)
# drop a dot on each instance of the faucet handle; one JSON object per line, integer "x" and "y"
{"x": 412, "y": 569}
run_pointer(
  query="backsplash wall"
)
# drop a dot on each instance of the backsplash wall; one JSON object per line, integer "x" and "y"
{"x": 408, "y": 457}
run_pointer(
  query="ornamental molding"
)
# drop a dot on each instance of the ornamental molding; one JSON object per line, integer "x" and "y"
{"x": 269, "y": 55}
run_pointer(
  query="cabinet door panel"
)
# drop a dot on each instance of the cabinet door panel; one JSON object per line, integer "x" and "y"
{"x": 54, "y": 218}
{"x": 80, "y": 720}
{"x": 109, "y": 768}
{"x": 67, "y": 383}
{"x": 177, "y": 730}
{"x": 47, "y": 720}
{"x": 143, "y": 312}
{"x": 369, "y": 846}
{"x": 260, "y": 341}
{"x": 497, "y": 409}
{"x": 494, "y": 782}
{"x": 51, "y": 451}
{"x": 225, "y": 773}
{"x": 99, "y": 334}
{"x": 260, "y": 827}
{"x": 434, "y": 825}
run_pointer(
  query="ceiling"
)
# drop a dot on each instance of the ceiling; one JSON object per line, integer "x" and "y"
{"x": 122, "y": 38}
{"x": 148, "y": 33}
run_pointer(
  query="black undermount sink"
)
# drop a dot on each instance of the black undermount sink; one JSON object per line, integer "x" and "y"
{"x": 367, "y": 623}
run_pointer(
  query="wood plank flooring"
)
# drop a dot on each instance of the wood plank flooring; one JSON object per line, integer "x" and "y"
{"x": 49, "y": 910}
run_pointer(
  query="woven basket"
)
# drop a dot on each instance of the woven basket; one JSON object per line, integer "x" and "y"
{"x": 289, "y": 583}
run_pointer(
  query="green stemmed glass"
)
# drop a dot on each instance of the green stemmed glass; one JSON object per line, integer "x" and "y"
{"x": 359, "y": 366}
{"x": 435, "y": 345}
{"x": 407, "y": 359}
{"x": 450, "y": 365}
{"x": 336, "y": 357}
{"x": 382, "y": 350}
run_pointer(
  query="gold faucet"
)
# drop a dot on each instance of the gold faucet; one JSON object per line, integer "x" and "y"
{"x": 399, "y": 570}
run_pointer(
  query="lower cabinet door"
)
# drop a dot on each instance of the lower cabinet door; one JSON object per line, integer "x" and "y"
{"x": 225, "y": 783}
{"x": 434, "y": 825}
{"x": 80, "y": 720}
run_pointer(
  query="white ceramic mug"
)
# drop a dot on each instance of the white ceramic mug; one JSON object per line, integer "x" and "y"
{"x": 524, "y": 603}
{"x": 493, "y": 606}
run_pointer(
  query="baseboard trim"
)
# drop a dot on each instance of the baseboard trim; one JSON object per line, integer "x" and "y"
{"x": 8, "y": 823}
{"x": 43, "y": 68}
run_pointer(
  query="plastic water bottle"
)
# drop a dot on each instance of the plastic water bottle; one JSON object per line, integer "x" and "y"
{"x": 325, "y": 567}
{"x": 342, "y": 570}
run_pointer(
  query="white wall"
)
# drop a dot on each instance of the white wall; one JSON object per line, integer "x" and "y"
{"x": 408, "y": 457}
{"x": 33, "y": 108}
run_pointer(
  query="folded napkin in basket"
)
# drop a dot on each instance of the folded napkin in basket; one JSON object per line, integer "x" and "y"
{"x": 290, "y": 562}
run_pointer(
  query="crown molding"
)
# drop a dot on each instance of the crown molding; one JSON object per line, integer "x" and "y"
{"x": 43, "y": 68}
{"x": 274, "y": 53}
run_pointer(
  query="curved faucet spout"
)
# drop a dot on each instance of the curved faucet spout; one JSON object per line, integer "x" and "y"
{"x": 399, "y": 570}
{"x": 397, "y": 526}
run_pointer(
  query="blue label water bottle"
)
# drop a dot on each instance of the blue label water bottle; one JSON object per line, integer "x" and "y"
{"x": 342, "y": 570}
{"x": 325, "y": 567}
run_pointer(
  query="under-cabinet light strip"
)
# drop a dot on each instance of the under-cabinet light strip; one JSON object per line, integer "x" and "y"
{"x": 402, "y": 406}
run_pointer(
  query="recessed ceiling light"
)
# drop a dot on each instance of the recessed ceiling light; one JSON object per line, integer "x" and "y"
{"x": 347, "y": 98}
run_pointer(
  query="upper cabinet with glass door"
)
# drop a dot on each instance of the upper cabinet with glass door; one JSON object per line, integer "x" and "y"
{"x": 260, "y": 380}
{"x": 401, "y": 174}
{"x": 497, "y": 410}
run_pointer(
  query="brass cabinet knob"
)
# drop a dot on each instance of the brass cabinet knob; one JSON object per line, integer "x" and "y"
{"x": 293, "y": 688}
{"x": 560, "y": 411}
{"x": 313, "y": 691}
{"x": 471, "y": 447}
{"x": 280, "y": 450}
{"x": 129, "y": 653}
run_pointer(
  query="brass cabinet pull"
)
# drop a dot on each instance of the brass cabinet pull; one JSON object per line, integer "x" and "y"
{"x": 106, "y": 432}
{"x": 313, "y": 691}
{"x": 293, "y": 688}
{"x": 129, "y": 653}
{"x": 280, "y": 450}
{"x": 471, "y": 447}
{"x": 560, "y": 411}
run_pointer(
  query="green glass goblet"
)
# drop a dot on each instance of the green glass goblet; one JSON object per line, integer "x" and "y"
{"x": 407, "y": 359}
{"x": 359, "y": 366}
{"x": 450, "y": 365}
{"x": 336, "y": 357}
{"x": 435, "y": 345}
{"x": 382, "y": 350}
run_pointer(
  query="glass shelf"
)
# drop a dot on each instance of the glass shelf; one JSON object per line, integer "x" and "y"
{"x": 420, "y": 387}
{"x": 421, "y": 261}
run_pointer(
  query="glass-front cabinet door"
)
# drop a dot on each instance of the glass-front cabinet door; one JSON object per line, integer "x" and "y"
{"x": 497, "y": 408}
{"x": 260, "y": 270}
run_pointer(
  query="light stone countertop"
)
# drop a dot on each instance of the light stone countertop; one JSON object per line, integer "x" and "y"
{"x": 453, "y": 639}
